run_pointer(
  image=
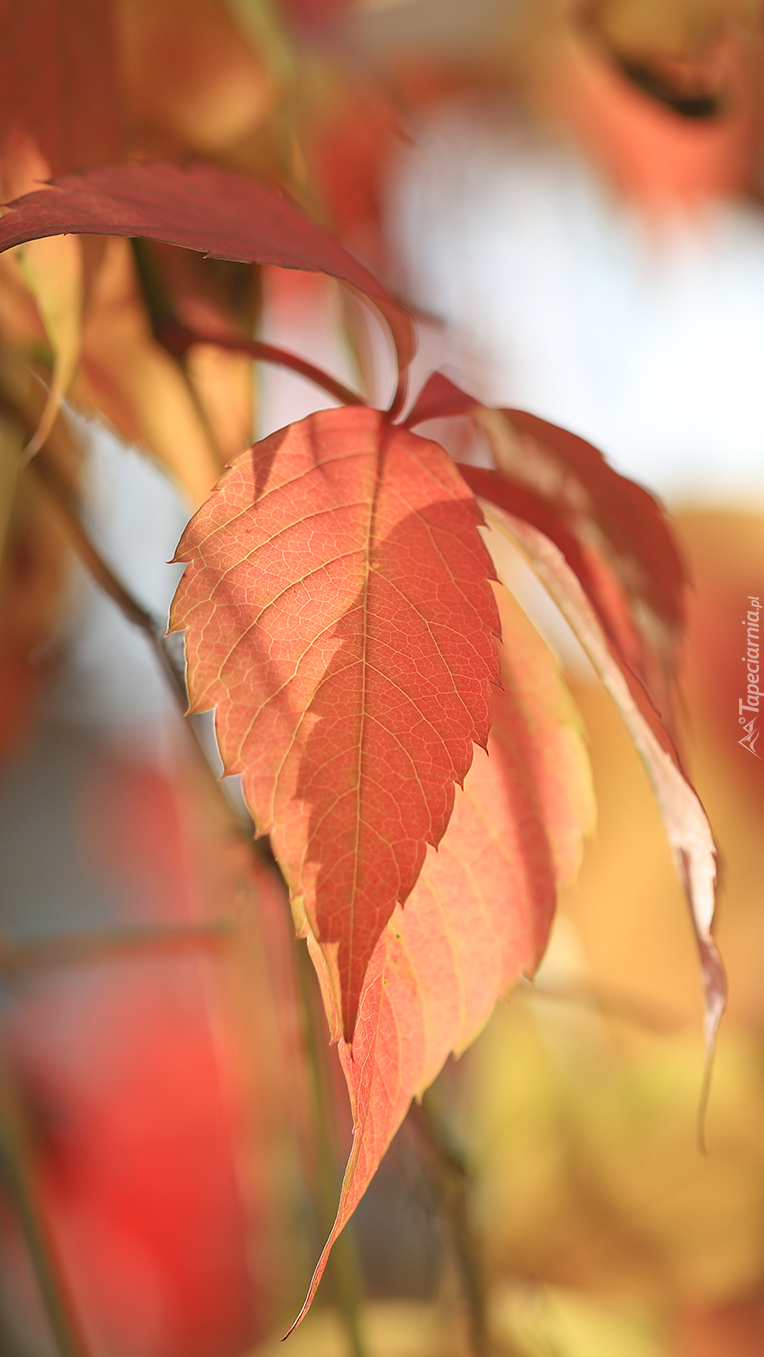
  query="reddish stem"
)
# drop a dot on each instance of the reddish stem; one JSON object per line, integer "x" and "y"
{"x": 177, "y": 339}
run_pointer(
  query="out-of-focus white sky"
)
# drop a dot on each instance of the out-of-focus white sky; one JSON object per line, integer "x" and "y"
{"x": 647, "y": 339}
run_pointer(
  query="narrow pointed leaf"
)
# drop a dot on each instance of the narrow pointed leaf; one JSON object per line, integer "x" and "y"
{"x": 201, "y": 207}
{"x": 684, "y": 819}
{"x": 53, "y": 270}
{"x": 339, "y": 619}
{"x": 480, "y": 912}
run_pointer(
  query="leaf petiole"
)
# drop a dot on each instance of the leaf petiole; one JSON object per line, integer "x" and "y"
{"x": 178, "y": 338}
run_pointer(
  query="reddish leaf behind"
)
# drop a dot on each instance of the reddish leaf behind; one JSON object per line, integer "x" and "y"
{"x": 201, "y": 207}
{"x": 480, "y": 911}
{"x": 574, "y": 476}
{"x": 439, "y": 398}
{"x": 340, "y": 621}
{"x": 612, "y": 532}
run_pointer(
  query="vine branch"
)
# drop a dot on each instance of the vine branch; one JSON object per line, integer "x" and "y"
{"x": 18, "y": 958}
{"x": 61, "y": 492}
{"x": 451, "y": 1177}
{"x": 17, "y": 1162}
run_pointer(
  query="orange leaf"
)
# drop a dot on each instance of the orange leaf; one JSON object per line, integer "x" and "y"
{"x": 479, "y": 914}
{"x": 339, "y": 619}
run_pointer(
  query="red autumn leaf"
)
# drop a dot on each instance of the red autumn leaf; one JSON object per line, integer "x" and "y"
{"x": 612, "y": 532}
{"x": 439, "y": 398}
{"x": 598, "y": 581}
{"x": 608, "y": 512}
{"x": 480, "y": 912}
{"x": 200, "y": 207}
{"x": 58, "y": 79}
{"x": 684, "y": 819}
{"x": 339, "y": 619}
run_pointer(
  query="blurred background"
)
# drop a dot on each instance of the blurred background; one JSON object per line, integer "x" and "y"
{"x": 569, "y": 194}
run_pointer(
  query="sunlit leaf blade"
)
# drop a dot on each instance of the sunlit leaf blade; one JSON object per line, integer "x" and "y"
{"x": 201, "y": 207}
{"x": 339, "y": 619}
{"x": 479, "y": 914}
{"x": 684, "y": 819}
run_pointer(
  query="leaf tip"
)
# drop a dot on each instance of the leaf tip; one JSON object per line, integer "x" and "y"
{"x": 715, "y": 984}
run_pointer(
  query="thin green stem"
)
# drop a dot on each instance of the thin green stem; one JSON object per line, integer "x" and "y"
{"x": 16, "y": 1159}
{"x": 614, "y": 1003}
{"x": 451, "y": 1178}
{"x": 83, "y": 546}
{"x": 20, "y": 957}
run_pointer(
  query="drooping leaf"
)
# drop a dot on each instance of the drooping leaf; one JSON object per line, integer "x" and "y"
{"x": 480, "y": 912}
{"x": 602, "y": 547}
{"x": 622, "y": 528}
{"x": 53, "y": 270}
{"x": 58, "y": 80}
{"x": 201, "y": 207}
{"x": 224, "y": 387}
{"x": 612, "y": 532}
{"x": 339, "y": 619}
{"x": 684, "y": 819}
{"x": 128, "y": 378}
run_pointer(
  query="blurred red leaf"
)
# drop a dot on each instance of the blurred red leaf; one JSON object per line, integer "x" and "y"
{"x": 200, "y": 207}
{"x": 58, "y": 79}
{"x": 480, "y": 911}
{"x": 338, "y": 617}
{"x": 124, "y": 1056}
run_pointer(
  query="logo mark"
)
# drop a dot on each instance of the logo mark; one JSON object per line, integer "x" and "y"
{"x": 751, "y": 702}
